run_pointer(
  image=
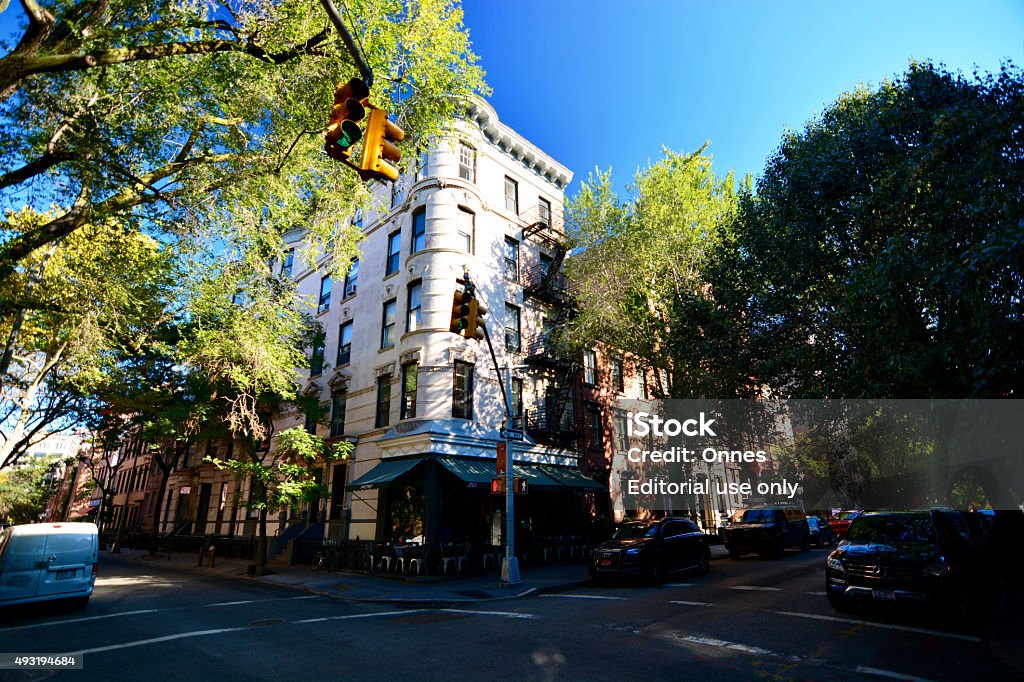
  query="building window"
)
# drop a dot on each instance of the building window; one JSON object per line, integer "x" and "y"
{"x": 325, "y": 295}
{"x": 465, "y": 227}
{"x": 511, "y": 259}
{"x": 423, "y": 165}
{"x": 462, "y": 391}
{"x": 517, "y": 397}
{"x": 383, "y": 416}
{"x": 412, "y": 317}
{"x": 512, "y": 196}
{"x": 544, "y": 212}
{"x": 545, "y": 265}
{"x": 419, "y": 230}
{"x": 345, "y": 343}
{"x": 394, "y": 252}
{"x": 467, "y": 162}
{"x": 316, "y": 360}
{"x": 387, "y": 327}
{"x": 311, "y": 419}
{"x": 589, "y": 367}
{"x": 618, "y": 383}
{"x": 512, "y": 328}
{"x": 621, "y": 432}
{"x": 351, "y": 280}
{"x": 409, "y": 375}
{"x": 397, "y": 192}
{"x": 595, "y": 431}
{"x": 339, "y": 402}
{"x": 357, "y": 218}
{"x": 287, "y": 264}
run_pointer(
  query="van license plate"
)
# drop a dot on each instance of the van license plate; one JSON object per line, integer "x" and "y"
{"x": 883, "y": 595}
{"x": 66, "y": 575}
{"x": 606, "y": 562}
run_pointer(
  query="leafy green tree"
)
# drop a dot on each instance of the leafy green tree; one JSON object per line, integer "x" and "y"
{"x": 77, "y": 306}
{"x": 882, "y": 254}
{"x": 178, "y": 113}
{"x": 24, "y": 489}
{"x": 639, "y": 275}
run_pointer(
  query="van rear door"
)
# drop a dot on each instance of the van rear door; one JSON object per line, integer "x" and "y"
{"x": 19, "y": 563}
{"x": 70, "y": 554}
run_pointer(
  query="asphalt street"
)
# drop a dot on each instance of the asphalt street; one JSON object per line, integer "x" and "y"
{"x": 750, "y": 619}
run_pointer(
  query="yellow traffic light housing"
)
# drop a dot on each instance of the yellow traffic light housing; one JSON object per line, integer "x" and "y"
{"x": 474, "y": 320}
{"x": 379, "y": 151}
{"x": 460, "y": 310}
{"x": 350, "y": 101}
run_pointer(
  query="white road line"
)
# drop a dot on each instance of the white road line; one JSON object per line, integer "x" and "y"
{"x": 140, "y": 612}
{"x": 584, "y": 596}
{"x": 506, "y": 614}
{"x": 816, "y": 594}
{"x": 260, "y": 601}
{"x": 758, "y": 651}
{"x": 157, "y": 640}
{"x": 79, "y": 620}
{"x": 380, "y": 614}
{"x": 755, "y": 588}
{"x": 888, "y": 673}
{"x": 678, "y": 584}
{"x": 692, "y": 603}
{"x": 884, "y": 626}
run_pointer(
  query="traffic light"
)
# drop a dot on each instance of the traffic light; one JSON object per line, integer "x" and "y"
{"x": 460, "y": 308}
{"x": 379, "y": 151}
{"x": 349, "y": 107}
{"x": 475, "y": 317}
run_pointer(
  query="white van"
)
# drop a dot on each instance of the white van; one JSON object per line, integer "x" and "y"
{"x": 43, "y": 561}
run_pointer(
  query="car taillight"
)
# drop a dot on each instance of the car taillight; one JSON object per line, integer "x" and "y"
{"x": 95, "y": 569}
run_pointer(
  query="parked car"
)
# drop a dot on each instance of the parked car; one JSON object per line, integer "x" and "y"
{"x": 919, "y": 557}
{"x": 652, "y": 549}
{"x": 46, "y": 561}
{"x": 820, "y": 532}
{"x": 767, "y": 529}
{"x": 840, "y": 523}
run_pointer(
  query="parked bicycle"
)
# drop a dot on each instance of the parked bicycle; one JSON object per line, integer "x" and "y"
{"x": 326, "y": 557}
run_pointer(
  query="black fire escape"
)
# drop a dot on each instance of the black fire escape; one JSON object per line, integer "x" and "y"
{"x": 553, "y": 419}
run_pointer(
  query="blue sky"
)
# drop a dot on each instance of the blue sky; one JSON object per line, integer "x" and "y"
{"x": 603, "y": 83}
{"x": 608, "y": 83}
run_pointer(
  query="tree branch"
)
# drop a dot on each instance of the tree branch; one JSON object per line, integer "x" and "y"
{"x": 19, "y": 65}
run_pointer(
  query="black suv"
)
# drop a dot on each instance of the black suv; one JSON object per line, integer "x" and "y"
{"x": 923, "y": 557}
{"x": 770, "y": 530}
{"x": 651, "y": 549}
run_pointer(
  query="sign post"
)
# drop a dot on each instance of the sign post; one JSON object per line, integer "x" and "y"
{"x": 509, "y": 567}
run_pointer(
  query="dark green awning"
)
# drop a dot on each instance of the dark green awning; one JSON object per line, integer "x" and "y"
{"x": 385, "y": 472}
{"x": 535, "y": 475}
{"x": 470, "y": 470}
{"x": 572, "y": 478}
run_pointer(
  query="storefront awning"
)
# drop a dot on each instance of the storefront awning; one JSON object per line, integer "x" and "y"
{"x": 572, "y": 478}
{"x": 385, "y": 472}
{"x": 470, "y": 470}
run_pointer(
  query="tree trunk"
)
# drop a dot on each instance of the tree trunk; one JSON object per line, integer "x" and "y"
{"x": 154, "y": 538}
{"x": 261, "y": 546}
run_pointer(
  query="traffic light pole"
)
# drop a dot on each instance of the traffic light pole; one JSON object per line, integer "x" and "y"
{"x": 510, "y": 566}
{"x": 346, "y": 37}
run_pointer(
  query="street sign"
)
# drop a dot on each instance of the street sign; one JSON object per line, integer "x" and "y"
{"x": 502, "y": 457}
{"x": 512, "y": 434}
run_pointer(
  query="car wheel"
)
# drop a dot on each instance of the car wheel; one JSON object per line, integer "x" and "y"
{"x": 657, "y": 575}
{"x": 805, "y": 545}
{"x": 734, "y": 554}
{"x": 838, "y": 602}
{"x": 704, "y": 566}
{"x": 780, "y": 549}
{"x": 79, "y": 603}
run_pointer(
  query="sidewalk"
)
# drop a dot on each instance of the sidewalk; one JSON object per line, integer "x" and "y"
{"x": 361, "y": 587}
